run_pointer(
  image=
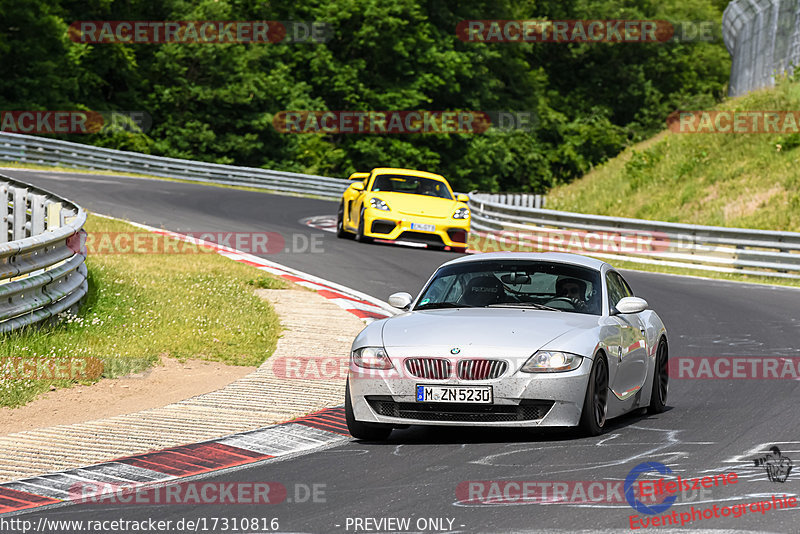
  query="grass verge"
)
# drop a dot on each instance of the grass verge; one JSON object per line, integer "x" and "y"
{"x": 720, "y": 179}
{"x": 144, "y": 306}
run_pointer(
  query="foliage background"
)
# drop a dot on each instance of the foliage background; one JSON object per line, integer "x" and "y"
{"x": 216, "y": 102}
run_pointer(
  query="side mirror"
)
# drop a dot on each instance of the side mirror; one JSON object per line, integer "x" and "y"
{"x": 400, "y": 300}
{"x": 461, "y": 197}
{"x": 358, "y": 186}
{"x": 631, "y": 305}
{"x": 359, "y": 176}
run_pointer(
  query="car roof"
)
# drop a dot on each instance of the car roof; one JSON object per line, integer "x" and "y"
{"x": 559, "y": 257}
{"x": 408, "y": 172}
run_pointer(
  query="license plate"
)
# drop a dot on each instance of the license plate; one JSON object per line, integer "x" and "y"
{"x": 423, "y": 227}
{"x": 462, "y": 394}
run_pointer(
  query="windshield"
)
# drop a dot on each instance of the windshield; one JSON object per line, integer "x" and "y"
{"x": 514, "y": 283}
{"x": 415, "y": 185}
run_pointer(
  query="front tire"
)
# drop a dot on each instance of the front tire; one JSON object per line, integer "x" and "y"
{"x": 658, "y": 396}
{"x": 595, "y": 404}
{"x": 340, "y": 231}
{"x": 360, "y": 237}
{"x": 359, "y": 430}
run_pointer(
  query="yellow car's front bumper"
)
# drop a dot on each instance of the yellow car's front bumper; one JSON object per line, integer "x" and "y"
{"x": 392, "y": 226}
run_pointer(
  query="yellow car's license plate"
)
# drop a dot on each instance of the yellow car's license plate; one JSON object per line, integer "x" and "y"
{"x": 423, "y": 227}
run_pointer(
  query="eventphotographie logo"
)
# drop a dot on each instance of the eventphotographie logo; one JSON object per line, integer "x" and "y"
{"x": 775, "y": 464}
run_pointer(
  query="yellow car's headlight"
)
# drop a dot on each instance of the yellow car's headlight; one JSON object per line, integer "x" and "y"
{"x": 379, "y": 204}
{"x": 461, "y": 213}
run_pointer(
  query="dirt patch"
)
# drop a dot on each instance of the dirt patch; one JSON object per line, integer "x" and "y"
{"x": 748, "y": 203}
{"x": 172, "y": 381}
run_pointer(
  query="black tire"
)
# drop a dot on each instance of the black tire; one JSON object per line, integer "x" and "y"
{"x": 658, "y": 396}
{"x": 360, "y": 237}
{"x": 459, "y": 250}
{"x": 595, "y": 404}
{"x": 359, "y": 430}
{"x": 340, "y": 231}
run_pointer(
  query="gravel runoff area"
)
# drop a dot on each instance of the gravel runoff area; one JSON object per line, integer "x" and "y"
{"x": 314, "y": 328}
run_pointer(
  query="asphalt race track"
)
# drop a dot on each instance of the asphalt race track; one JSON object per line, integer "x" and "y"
{"x": 712, "y": 426}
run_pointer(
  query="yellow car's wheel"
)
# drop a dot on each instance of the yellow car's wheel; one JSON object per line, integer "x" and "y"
{"x": 360, "y": 233}
{"x": 340, "y": 231}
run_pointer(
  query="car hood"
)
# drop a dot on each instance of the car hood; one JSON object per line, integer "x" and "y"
{"x": 409, "y": 204}
{"x": 479, "y": 332}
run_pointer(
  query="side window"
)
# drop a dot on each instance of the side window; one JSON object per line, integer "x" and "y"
{"x": 617, "y": 288}
{"x": 615, "y": 292}
{"x": 625, "y": 287}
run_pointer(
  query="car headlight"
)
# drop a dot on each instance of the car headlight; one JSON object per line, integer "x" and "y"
{"x": 545, "y": 361}
{"x": 372, "y": 358}
{"x": 461, "y": 213}
{"x": 378, "y": 204}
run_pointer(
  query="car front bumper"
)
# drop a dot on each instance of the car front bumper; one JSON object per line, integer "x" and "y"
{"x": 394, "y": 226}
{"x": 519, "y": 399}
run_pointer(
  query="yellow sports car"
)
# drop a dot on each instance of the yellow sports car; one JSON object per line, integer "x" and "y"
{"x": 401, "y": 204}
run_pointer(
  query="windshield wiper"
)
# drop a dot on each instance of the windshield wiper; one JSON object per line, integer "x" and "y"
{"x": 434, "y": 305}
{"x": 523, "y": 305}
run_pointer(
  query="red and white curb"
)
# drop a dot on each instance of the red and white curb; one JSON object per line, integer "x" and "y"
{"x": 300, "y": 436}
{"x": 359, "y": 304}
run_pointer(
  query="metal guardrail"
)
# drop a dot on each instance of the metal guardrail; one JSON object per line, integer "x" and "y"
{"x": 42, "y": 269}
{"x": 710, "y": 248}
{"x": 511, "y": 218}
{"x": 43, "y": 151}
{"x": 526, "y": 200}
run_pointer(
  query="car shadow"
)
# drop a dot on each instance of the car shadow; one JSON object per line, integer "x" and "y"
{"x": 457, "y": 435}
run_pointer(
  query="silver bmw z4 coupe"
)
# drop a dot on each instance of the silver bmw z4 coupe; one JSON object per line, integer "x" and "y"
{"x": 509, "y": 340}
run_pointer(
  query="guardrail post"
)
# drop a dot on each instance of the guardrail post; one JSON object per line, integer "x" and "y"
{"x": 4, "y": 218}
{"x": 20, "y": 207}
{"x": 37, "y": 214}
{"x": 53, "y": 216}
